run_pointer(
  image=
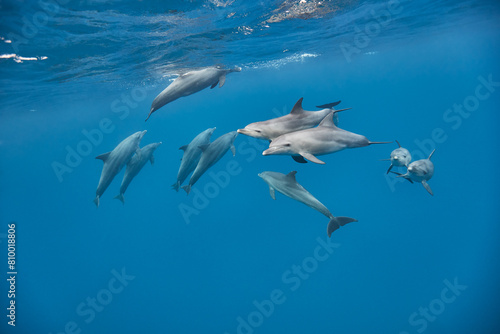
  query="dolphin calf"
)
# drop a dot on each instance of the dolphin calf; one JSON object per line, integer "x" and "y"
{"x": 288, "y": 186}
{"x": 135, "y": 165}
{"x": 324, "y": 139}
{"x": 297, "y": 119}
{"x": 399, "y": 157}
{"x": 191, "y": 156}
{"x": 212, "y": 153}
{"x": 190, "y": 83}
{"x": 420, "y": 171}
{"x": 115, "y": 160}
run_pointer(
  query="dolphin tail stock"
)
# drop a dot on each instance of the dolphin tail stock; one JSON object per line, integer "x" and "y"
{"x": 120, "y": 197}
{"x": 96, "y": 201}
{"x": 150, "y": 113}
{"x": 403, "y": 176}
{"x": 336, "y": 222}
{"x": 176, "y": 185}
{"x": 328, "y": 105}
{"x": 187, "y": 188}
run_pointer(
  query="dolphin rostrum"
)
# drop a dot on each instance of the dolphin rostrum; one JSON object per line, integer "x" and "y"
{"x": 190, "y": 83}
{"x": 212, "y": 153}
{"x": 135, "y": 165}
{"x": 324, "y": 139}
{"x": 420, "y": 171}
{"x": 297, "y": 119}
{"x": 191, "y": 156}
{"x": 115, "y": 160}
{"x": 288, "y": 186}
{"x": 399, "y": 157}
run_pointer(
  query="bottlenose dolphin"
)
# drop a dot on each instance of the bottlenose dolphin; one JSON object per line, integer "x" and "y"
{"x": 212, "y": 153}
{"x": 324, "y": 139}
{"x": 190, "y": 83}
{"x": 297, "y": 119}
{"x": 399, "y": 157}
{"x": 115, "y": 160}
{"x": 420, "y": 171}
{"x": 135, "y": 165}
{"x": 191, "y": 156}
{"x": 288, "y": 186}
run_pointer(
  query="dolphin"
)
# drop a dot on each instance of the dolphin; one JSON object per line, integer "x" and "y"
{"x": 191, "y": 156}
{"x": 399, "y": 157}
{"x": 297, "y": 119}
{"x": 324, "y": 139}
{"x": 135, "y": 165}
{"x": 212, "y": 153}
{"x": 190, "y": 83}
{"x": 420, "y": 171}
{"x": 288, "y": 186}
{"x": 115, "y": 160}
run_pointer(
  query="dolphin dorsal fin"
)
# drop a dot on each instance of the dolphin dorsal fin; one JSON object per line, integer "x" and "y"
{"x": 292, "y": 175}
{"x": 430, "y": 155}
{"x": 297, "y": 108}
{"x": 183, "y": 147}
{"x": 328, "y": 121}
{"x": 103, "y": 156}
{"x": 203, "y": 147}
{"x": 398, "y": 143}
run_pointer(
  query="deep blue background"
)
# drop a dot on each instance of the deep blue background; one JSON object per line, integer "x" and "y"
{"x": 200, "y": 277}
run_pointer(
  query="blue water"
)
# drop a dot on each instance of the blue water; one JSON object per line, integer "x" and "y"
{"x": 231, "y": 263}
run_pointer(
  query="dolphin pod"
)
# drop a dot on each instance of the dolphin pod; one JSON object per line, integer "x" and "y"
{"x": 190, "y": 83}
{"x": 420, "y": 171}
{"x": 324, "y": 139}
{"x": 212, "y": 153}
{"x": 191, "y": 156}
{"x": 115, "y": 160}
{"x": 288, "y": 186}
{"x": 297, "y": 119}
{"x": 135, "y": 165}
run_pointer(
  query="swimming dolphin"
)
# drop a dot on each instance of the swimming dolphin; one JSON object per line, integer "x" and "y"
{"x": 135, "y": 165}
{"x": 212, "y": 153}
{"x": 324, "y": 139}
{"x": 288, "y": 186}
{"x": 190, "y": 83}
{"x": 420, "y": 171}
{"x": 191, "y": 156}
{"x": 399, "y": 157}
{"x": 115, "y": 160}
{"x": 297, "y": 119}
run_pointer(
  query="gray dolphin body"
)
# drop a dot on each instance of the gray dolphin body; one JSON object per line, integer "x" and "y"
{"x": 400, "y": 157}
{"x": 420, "y": 171}
{"x": 212, "y": 153}
{"x": 190, "y": 83}
{"x": 191, "y": 156}
{"x": 115, "y": 160}
{"x": 288, "y": 186}
{"x": 324, "y": 139}
{"x": 135, "y": 165}
{"x": 297, "y": 119}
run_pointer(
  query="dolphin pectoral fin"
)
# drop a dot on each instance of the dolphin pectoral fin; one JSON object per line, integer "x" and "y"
{"x": 312, "y": 158}
{"x": 222, "y": 80}
{"x": 336, "y": 222}
{"x": 96, "y": 201}
{"x": 233, "y": 150}
{"x": 183, "y": 147}
{"x": 214, "y": 85}
{"x": 390, "y": 167}
{"x": 120, "y": 197}
{"x": 300, "y": 159}
{"x": 187, "y": 188}
{"x": 203, "y": 147}
{"x": 271, "y": 192}
{"x": 152, "y": 160}
{"x": 328, "y": 105}
{"x": 404, "y": 176}
{"x": 427, "y": 187}
{"x": 103, "y": 156}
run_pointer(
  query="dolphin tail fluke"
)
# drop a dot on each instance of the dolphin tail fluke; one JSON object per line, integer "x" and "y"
{"x": 336, "y": 222}
{"x": 96, "y": 201}
{"x": 175, "y": 186}
{"x": 187, "y": 188}
{"x": 120, "y": 197}
{"x": 150, "y": 113}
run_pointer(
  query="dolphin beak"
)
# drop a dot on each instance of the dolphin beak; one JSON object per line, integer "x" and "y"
{"x": 270, "y": 151}
{"x": 242, "y": 131}
{"x": 143, "y": 133}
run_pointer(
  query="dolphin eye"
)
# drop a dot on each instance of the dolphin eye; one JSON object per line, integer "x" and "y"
{"x": 258, "y": 131}
{"x": 287, "y": 144}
